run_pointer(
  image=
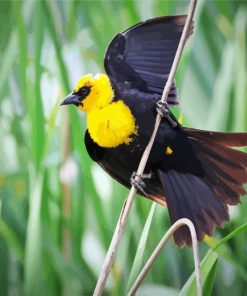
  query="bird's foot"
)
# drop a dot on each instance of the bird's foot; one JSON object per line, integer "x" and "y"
{"x": 162, "y": 109}
{"x": 137, "y": 181}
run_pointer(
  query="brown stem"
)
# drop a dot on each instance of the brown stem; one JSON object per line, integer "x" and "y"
{"x": 160, "y": 246}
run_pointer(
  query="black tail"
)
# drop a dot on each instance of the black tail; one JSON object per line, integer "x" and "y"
{"x": 204, "y": 198}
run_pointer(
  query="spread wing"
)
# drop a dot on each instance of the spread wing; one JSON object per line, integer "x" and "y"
{"x": 141, "y": 57}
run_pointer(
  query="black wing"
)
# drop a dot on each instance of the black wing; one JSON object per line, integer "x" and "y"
{"x": 141, "y": 57}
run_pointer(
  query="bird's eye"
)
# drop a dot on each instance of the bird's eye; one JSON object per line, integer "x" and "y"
{"x": 84, "y": 91}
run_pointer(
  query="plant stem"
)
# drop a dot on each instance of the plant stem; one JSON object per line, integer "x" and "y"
{"x": 160, "y": 246}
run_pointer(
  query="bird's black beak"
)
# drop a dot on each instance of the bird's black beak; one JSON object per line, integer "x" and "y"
{"x": 71, "y": 99}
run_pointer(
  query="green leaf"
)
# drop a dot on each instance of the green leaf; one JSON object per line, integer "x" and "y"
{"x": 208, "y": 262}
{"x": 225, "y": 252}
{"x": 240, "y": 86}
{"x": 209, "y": 284}
{"x": 11, "y": 240}
{"x": 7, "y": 59}
{"x": 222, "y": 90}
{"x": 33, "y": 254}
{"x": 138, "y": 261}
{"x": 157, "y": 290}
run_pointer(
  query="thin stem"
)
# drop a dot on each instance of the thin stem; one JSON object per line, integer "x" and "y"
{"x": 128, "y": 203}
{"x": 160, "y": 246}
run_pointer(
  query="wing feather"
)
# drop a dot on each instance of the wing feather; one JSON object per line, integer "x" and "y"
{"x": 142, "y": 56}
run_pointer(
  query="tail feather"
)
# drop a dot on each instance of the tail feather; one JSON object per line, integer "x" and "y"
{"x": 224, "y": 171}
{"x": 222, "y": 190}
{"x": 231, "y": 171}
{"x": 189, "y": 197}
{"x": 204, "y": 198}
{"x": 232, "y": 158}
{"x": 221, "y": 138}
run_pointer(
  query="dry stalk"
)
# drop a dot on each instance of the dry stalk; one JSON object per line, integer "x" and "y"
{"x": 160, "y": 246}
{"x": 128, "y": 203}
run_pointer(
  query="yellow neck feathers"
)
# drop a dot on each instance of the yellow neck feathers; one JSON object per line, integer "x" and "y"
{"x": 110, "y": 124}
{"x": 101, "y": 92}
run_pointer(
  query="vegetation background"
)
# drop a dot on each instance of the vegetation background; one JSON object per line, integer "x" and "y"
{"x": 58, "y": 209}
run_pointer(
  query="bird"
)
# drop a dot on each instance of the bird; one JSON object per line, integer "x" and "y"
{"x": 195, "y": 173}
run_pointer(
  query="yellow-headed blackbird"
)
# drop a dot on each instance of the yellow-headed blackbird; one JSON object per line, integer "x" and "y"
{"x": 194, "y": 172}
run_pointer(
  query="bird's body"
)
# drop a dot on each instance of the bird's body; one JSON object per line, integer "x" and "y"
{"x": 121, "y": 161}
{"x": 194, "y": 172}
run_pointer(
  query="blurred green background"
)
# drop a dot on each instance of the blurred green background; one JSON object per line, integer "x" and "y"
{"x": 58, "y": 209}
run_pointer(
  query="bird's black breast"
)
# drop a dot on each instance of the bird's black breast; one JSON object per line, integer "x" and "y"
{"x": 94, "y": 150}
{"x": 121, "y": 162}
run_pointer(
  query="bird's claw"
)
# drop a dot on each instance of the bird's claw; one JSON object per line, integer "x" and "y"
{"x": 162, "y": 109}
{"x": 137, "y": 181}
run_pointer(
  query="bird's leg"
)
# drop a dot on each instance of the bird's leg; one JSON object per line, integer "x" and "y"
{"x": 162, "y": 109}
{"x": 137, "y": 181}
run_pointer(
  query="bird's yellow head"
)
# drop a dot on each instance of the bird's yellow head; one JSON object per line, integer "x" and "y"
{"x": 91, "y": 93}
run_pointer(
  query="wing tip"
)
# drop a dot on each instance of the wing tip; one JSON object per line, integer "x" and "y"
{"x": 179, "y": 20}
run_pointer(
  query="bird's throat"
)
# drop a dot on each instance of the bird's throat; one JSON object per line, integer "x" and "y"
{"x": 112, "y": 125}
